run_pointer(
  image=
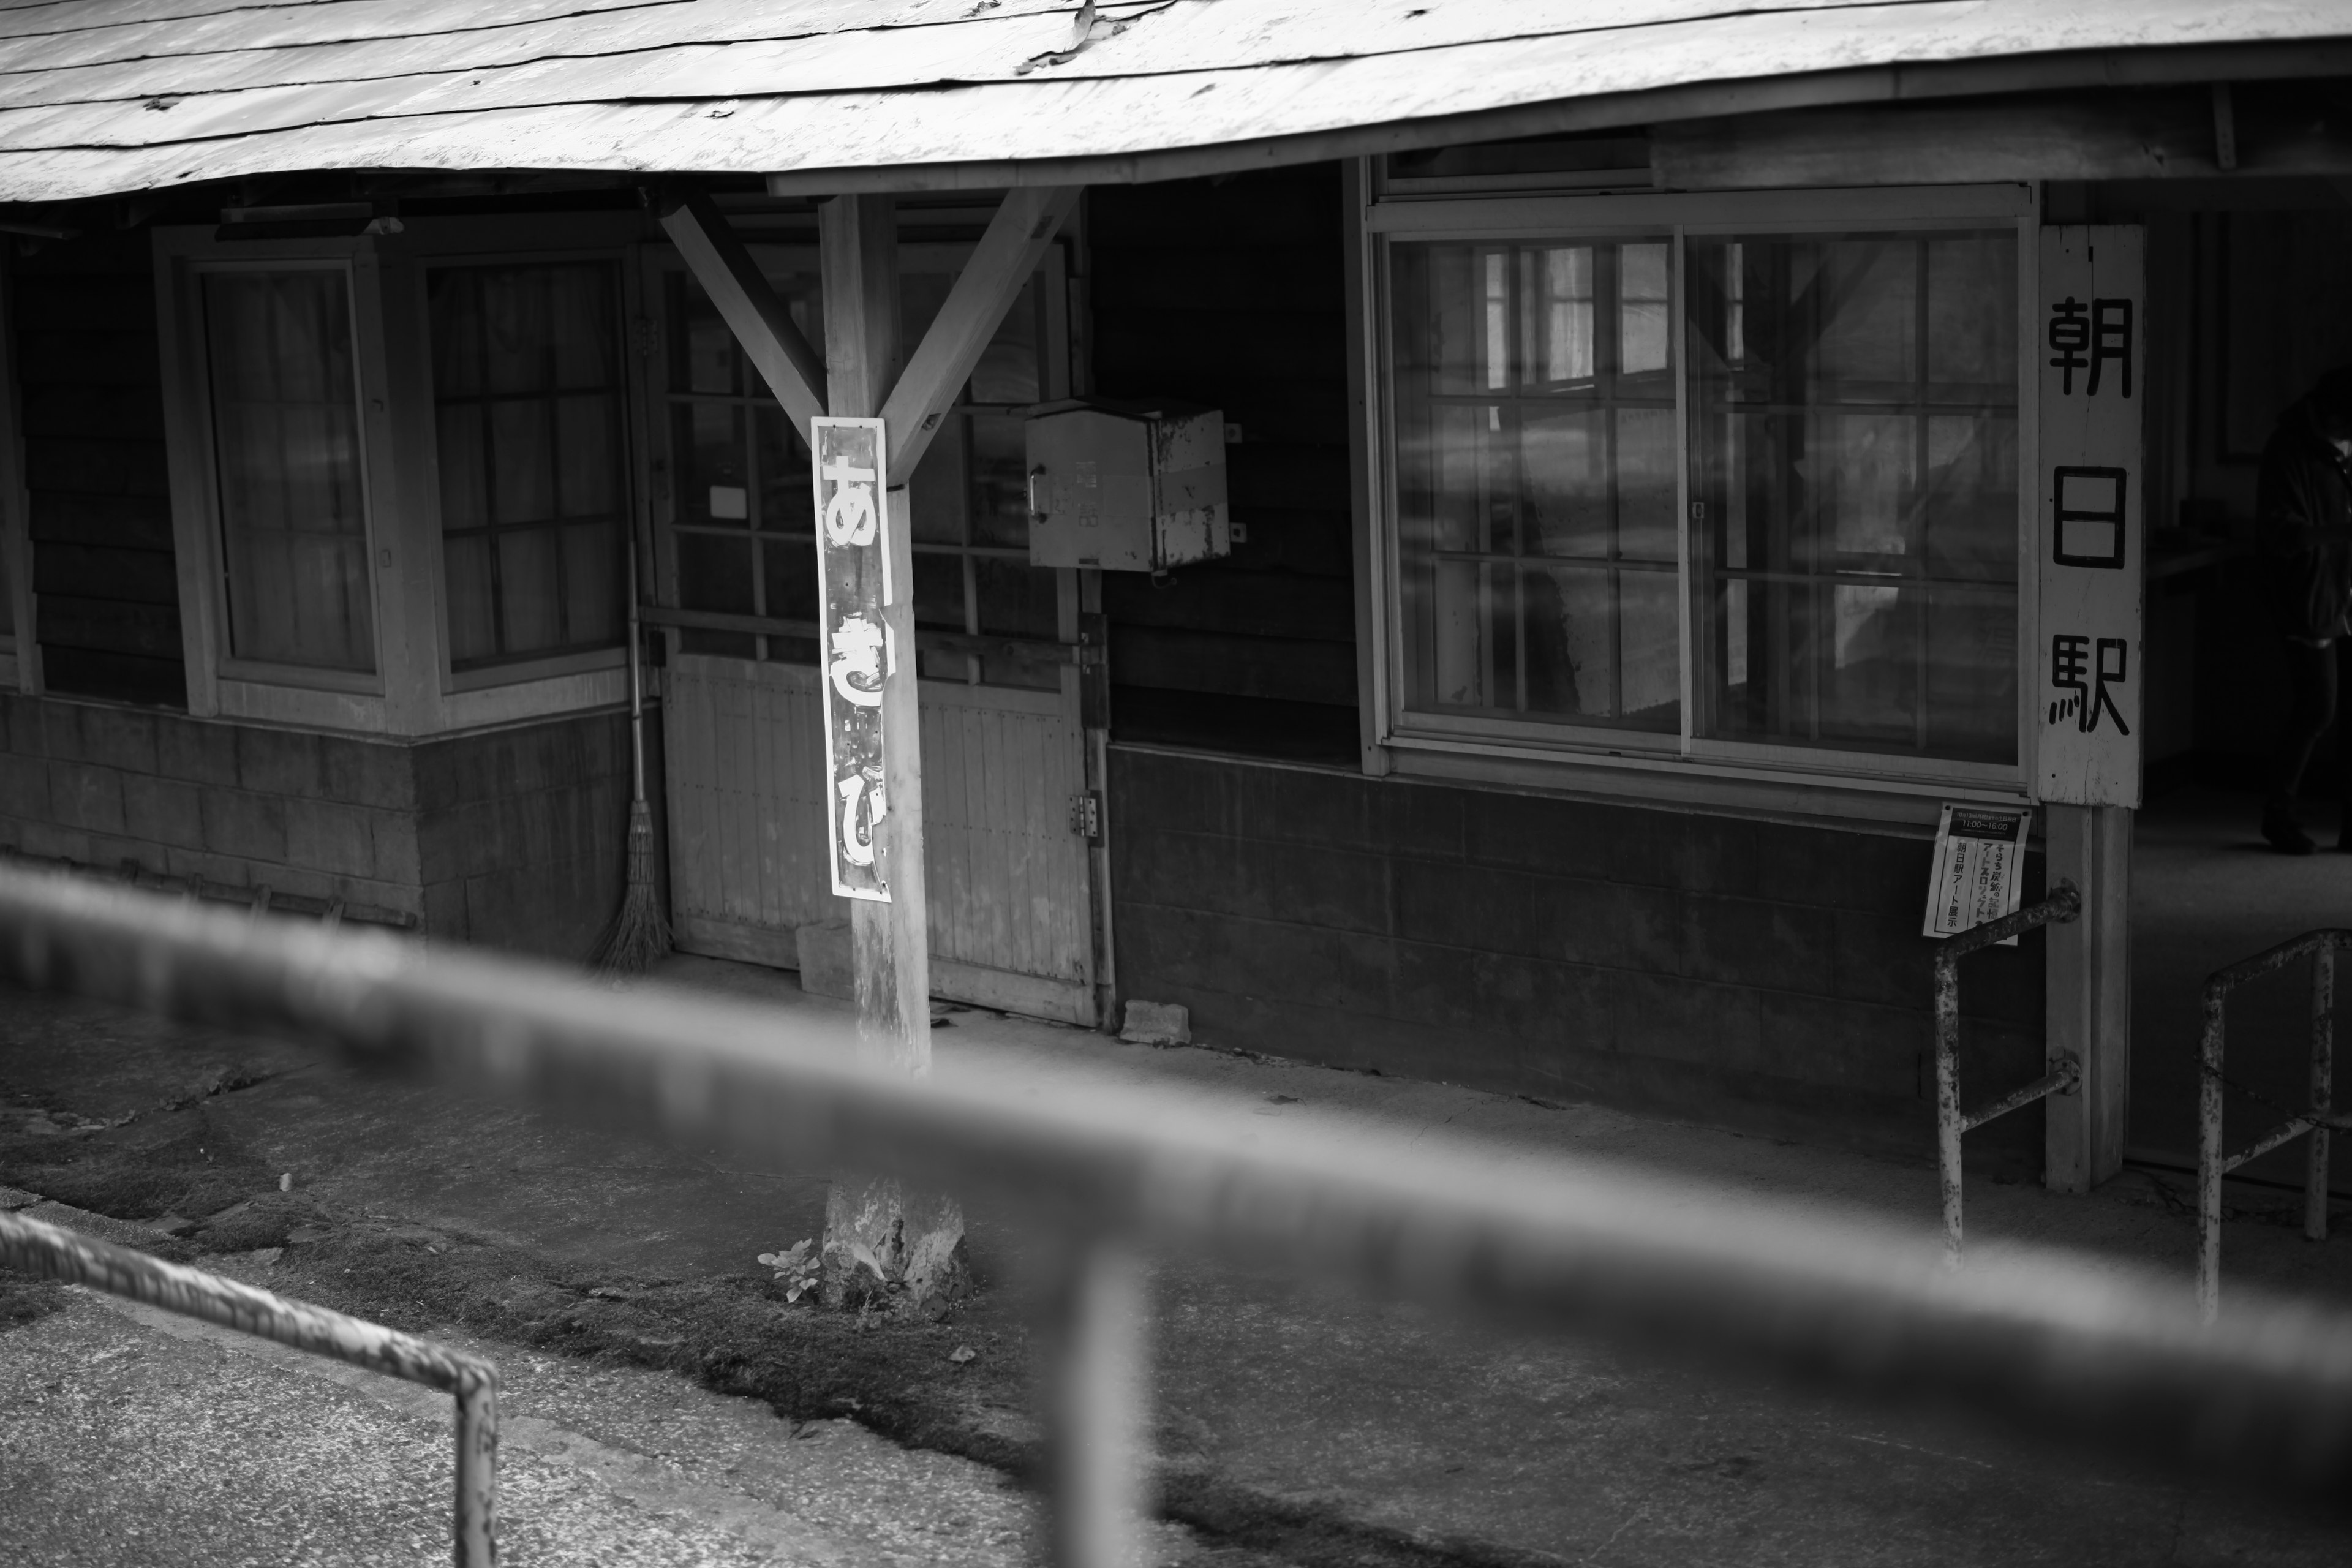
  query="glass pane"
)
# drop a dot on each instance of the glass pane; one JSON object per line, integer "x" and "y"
{"x": 938, "y": 591}
{"x": 473, "y": 632}
{"x": 1535, "y": 423}
{"x": 287, "y": 446}
{"x": 1008, "y": 369}
{"x": 790, "y": 569}
{"x": 1854, "y": 479}
{"x": 527, "y": 384}
{"x": 464, "y": 480}
{"x": 706, "y": 458}
{"x": 714, "y": 573}
{"x": 1571, "y": 643}
{"x": 1016, "y": 600}
{"x": 999, "y": 479}
{"x": 522, "y": 462}
{"x": 529, "y": 583}
{"x": 587, "y": 458}
{"x": 594, "y": 601}
{"x": 702, "y": 356}
{"x": 938, "y": 494}
{"x": 786, "y": 502}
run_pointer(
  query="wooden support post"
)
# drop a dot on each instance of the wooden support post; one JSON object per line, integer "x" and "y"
{"x": 914, "y": 1236}
{"x": 2088, "y": 1005}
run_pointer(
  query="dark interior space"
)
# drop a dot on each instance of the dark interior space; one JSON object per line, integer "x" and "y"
{"x": 91, "y": 381}
{"x": 1231, "y": 293}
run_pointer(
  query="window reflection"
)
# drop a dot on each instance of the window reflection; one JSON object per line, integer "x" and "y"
{"x": 286, "y": 435}
{"x": 1854, "y": 475}
{"x": 1535, "y": 480}
{"x": 527, "y": 400}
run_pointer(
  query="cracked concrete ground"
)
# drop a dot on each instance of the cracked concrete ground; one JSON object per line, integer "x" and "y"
{"x": 1296, "y": 1421}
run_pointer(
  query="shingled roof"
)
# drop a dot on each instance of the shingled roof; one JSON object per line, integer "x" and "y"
{"x": 102, "y": 97}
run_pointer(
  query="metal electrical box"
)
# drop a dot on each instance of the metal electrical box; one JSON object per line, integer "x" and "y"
{"x": 1126, "y": 487}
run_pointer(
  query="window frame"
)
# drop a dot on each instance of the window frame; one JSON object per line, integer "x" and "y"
{"x": 1624, "y": 761}
{"x": 619, "y": 254}
{"x": 20, "y": 650}
{"x": 412, "y": 691}
{"x": 220, "y": 683}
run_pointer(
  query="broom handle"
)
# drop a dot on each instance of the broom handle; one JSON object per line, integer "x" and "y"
{"x": 636, "y": 681}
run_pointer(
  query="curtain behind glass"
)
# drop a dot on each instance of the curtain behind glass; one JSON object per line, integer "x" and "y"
{"x": 287, "y": 445}
{"x": 527, "y": 398}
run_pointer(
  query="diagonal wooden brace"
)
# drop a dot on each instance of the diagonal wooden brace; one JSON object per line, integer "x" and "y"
{"x": 793, "y": 371}
{"x": 1000, "y": 268}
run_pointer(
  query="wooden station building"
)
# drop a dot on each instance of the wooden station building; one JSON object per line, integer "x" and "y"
{"x": 1632, "y": 429}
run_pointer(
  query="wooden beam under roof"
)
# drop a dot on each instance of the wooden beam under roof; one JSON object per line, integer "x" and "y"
{"x": 2286, "y": 129}
{"x": 793, "y": 371}
{"x": 1001, "y": 267}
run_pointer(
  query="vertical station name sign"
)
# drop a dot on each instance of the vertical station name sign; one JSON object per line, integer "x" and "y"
{"x": 2092, "y": 329}
{"x": 855, "y": 650}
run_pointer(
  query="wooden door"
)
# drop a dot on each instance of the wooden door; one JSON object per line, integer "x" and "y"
{"x": 1012, "y": 916}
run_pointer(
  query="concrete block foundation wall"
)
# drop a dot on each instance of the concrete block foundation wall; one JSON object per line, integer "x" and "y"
{"x": 1748, "y": 974}
{"x": 512, "y": 838}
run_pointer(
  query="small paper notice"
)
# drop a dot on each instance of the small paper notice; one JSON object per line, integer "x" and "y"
{"x": 1980, "y": 861}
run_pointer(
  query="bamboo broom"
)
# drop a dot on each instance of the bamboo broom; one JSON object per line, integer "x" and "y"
{"x": 639, "y": 934}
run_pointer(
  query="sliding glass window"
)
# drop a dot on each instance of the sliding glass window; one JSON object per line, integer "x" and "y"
{"x": 1854, "y": 487}
{"x": 1535, "y": 463}
{"x": 1792, "y": 457}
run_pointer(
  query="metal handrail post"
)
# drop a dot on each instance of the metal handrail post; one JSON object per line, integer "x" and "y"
{"x": 477, "y": 1515}
{"x": 1097, "y": 1400}
{"x": 2213, "y": 1162}
{"x": 2323, "y": 1073}
{"x": 40, "y": 1248}
{"x": 2208, "y": 1156}
{"x": 2064, "y": 903}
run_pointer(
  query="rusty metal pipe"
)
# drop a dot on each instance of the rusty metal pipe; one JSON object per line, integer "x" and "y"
{"x": 2322, "y": 1089}
{"x": 37, "y": 1248}
{"x": 2063, "y": 903}
{"x": 2059, "y": 1081}
{"x": 2212, "y": 1162}
{"x": 2045, "y": 1342}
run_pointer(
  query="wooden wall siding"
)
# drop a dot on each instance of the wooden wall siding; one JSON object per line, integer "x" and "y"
{"x": 1008, "y": 877}
{"x": 825, "y": 85}
{"x": 748, "y": 805}
{"x": 1757, "y": 975}
{"x": 746, "y": 799}
{"x": 108, "y": 617}
{"x": 1232, "y": 294}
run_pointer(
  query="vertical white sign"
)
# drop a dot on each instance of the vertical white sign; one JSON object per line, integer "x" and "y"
{"x": 1980, "y": 855}
{"x": 2088, "y": 669}
{"x": 853, "y": 646}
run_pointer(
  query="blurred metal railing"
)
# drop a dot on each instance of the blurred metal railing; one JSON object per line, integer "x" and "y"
{"x": 44, "y": 1250}
{"x": 2213, "y": 1165}
{"x": 2064, "y": 904}
{"x": 2051, "y": 1345}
